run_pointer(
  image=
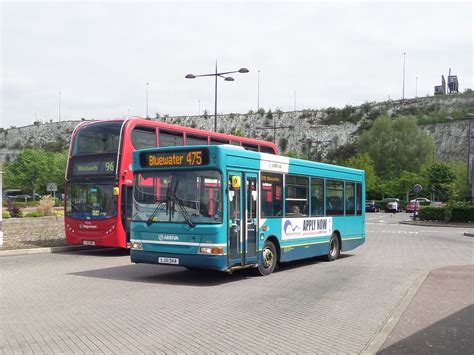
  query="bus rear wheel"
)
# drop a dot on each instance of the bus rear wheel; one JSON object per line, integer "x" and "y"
{"x": 269, "y": 259}
{"x": 334, "y": 248}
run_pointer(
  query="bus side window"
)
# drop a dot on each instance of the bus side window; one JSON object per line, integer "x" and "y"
{"x": 317, "y": 197}
{"x": 143, "y": 137}
{"x": 195, "y": 140}
{"x": 296, "y": 201}
{"x": 250, "y": 147}
{"x": 350, "y": 199}
{"x": 265, "y": 149}
{"x": 170, "y": 139}
{"x": 271, "y": 196}
{"x": 217, "y": 141}
{"x": 334, "y": 198}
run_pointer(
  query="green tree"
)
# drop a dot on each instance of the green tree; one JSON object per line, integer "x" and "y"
{"x": 396, "y": 146}
{"x": 56, "y": 169}
{"x": 364, "y": 162}
{"x": 440, "y": 179}
{"x": 460, "y": 171}
{"x": 28, "y": 172}
{"x": 406, "y": 181}
{"x": 34, "y": 168}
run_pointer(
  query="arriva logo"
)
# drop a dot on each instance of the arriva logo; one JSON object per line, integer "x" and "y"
{"x": 289, "y": 225}
{"x": 168, "y": 237}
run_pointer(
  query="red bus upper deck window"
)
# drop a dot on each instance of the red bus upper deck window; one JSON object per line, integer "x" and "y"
{"x": 217, "y": 141}
{"x": 195, "y": 140}
{"x": 170, "y": 139}
{"x": 265, "y": 149}
{"x": 98, "y": 138}
{"x": 143, "y": 137}
{"x": 250, "y": 147}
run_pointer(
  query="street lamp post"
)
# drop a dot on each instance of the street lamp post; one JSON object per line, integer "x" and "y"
{"x": 147, "y": 99}
{"x": 416, "y": 87}
{"x": 403, "y": 89}
{"x": 258, "y": 91}
{"x": 217, "y": 74}
{"x": 59, "y": 107}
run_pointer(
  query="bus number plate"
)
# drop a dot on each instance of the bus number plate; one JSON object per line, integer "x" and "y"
{"x": 163, "y": 260}
{"x": 88, "y": 242}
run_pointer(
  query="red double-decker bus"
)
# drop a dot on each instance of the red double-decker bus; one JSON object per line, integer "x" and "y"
{"x": 98, "y": 198}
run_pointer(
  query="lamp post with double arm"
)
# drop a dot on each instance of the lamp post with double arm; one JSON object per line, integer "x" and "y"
{"x": 221, "y": 75}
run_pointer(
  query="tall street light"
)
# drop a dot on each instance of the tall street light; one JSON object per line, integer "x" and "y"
{"x": 416, "y": 87}
{"x": 59, "y": 107}
{"x": 217, "y": 74}
{"x": 258, "y": 90}
{"x": 147, "y": 99}
{"x": 403, "y": 89}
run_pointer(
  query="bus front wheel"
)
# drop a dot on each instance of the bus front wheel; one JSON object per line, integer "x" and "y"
{"x": 334, "y": 248}
{"x": 269, "y": 259}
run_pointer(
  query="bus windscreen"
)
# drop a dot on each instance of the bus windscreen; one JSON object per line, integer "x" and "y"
{"x": 98, "y": 138}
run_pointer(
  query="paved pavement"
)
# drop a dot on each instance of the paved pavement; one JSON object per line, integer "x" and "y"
{"x": 99, "y": 302}
{"x": 440, "y": 318}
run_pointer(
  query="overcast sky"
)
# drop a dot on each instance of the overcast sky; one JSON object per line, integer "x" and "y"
{"x": 101, "y": 55}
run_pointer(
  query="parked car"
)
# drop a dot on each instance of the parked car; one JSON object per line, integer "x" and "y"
{"x": 392, "y": 205}
{"x": 18, "y": 195}
{"x": 14, "y": 194}
{"x": 371, "y": 206}
{"x": 420, "y": 201}
{"x": 438, "y": 204}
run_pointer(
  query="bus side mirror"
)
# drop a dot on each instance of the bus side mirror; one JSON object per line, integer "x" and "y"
{"x": 116, "y": 191}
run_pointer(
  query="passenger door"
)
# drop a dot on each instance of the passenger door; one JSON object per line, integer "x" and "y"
{"x": 243, "y": 196}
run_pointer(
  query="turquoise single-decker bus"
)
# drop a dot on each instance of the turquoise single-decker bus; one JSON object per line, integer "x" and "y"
{"x": 226, "y": 208}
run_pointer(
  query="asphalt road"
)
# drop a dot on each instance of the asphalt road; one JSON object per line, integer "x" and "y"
{"x": 94, "y": 302}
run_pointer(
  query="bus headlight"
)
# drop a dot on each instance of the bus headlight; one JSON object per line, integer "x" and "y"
{"x": 211, "y": 251}
{"x": 137, "y": 246}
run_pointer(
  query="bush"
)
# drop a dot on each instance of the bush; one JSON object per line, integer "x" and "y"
{"x": 462, "y": 214}
{"x": 34, "y": 214}
{"x": 6, "y": 215}
{"x": 14, "y": 210}
{"x": 59, "y": 213}
{"x": 22, "y": 204}
{"x": 432, "y": 213}
{"x": 46, "y": 205}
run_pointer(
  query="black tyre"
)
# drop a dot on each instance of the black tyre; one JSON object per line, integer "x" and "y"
{"x": 269, "y": 259}
{"x": 334, "y": 248}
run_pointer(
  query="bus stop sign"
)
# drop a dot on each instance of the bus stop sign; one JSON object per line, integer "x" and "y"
{"x": 417, "y": 188}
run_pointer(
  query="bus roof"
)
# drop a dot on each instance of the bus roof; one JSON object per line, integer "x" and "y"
{"x": 237, "y": 157}
{"x": 137, "y": 121}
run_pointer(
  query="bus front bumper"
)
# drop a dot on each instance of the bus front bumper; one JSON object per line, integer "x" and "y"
{"x": 198, "y": 261}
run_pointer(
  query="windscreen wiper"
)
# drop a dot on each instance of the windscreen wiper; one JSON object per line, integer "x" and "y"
{"x": 183, "y": 211}
{"x": 155, "y": 211}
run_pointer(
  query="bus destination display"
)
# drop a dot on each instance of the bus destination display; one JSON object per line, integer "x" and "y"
{"x": 197, "y": 157}
{"x": 94, "y": 167}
